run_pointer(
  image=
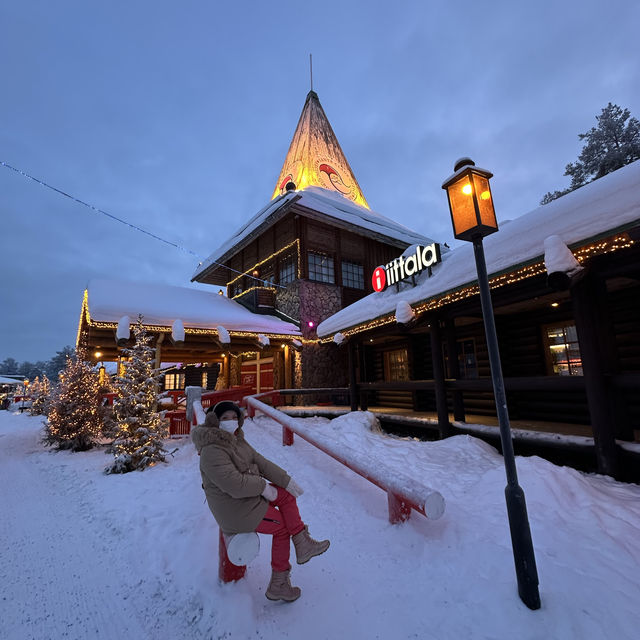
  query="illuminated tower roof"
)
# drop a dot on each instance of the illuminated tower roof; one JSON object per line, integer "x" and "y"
{"x": 315, "y": 157}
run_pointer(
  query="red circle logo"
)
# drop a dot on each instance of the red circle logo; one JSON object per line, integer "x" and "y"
{"x": 379, "y": 279}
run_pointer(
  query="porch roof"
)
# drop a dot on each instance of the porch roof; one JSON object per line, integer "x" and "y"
{"x": 598, "y": 210}
{"x": 161, "y": 305}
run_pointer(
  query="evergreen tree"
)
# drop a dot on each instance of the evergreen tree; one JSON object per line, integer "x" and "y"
{"x": 9, "y": 366}
{"x": 58, "y": 362}
{"x": 614, "y": 143}
{"x": 74, "y": 415}
{"x": 138, "y": 443}
{"x": 40, "y": 392}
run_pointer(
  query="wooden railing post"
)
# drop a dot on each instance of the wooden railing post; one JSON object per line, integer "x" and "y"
{"x": 287, "y": 437}
{"x": 227, "y": 571}
{"x": 399, "y": 511}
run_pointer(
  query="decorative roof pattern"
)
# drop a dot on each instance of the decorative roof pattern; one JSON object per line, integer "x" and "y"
{"x": 315, "y": 157}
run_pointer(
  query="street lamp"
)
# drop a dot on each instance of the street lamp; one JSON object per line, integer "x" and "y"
{"x": 24, "y": 393}
{"x": 473, "y": 217}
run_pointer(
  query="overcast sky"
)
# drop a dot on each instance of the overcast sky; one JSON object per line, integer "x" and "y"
{"x": 177, "y": 116}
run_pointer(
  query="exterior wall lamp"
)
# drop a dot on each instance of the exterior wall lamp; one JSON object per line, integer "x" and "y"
{"x": 473, "y": 217}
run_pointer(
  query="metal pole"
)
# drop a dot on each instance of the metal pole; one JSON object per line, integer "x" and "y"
{"x": 523, "y": 554}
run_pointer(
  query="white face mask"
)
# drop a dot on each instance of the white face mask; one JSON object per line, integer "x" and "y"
{"x": 229, "y": 426}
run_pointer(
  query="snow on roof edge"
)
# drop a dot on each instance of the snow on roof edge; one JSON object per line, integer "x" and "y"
{"x": 601, "y": 208}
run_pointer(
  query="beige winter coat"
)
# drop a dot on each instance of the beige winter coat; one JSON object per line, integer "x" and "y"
{"x": 233, "y": 476}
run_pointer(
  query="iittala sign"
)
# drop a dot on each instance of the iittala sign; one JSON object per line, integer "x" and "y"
{"x": 405, "y": 266}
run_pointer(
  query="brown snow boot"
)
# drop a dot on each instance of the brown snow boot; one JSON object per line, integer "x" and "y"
{"x": 307, "y": 547}
{"x": 280, "y": 587}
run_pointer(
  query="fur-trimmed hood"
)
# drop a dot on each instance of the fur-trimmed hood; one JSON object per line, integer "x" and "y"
{"x": 207, "y": 433}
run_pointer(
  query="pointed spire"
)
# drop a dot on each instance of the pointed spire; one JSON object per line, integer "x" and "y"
{"x": 315, "y": 157}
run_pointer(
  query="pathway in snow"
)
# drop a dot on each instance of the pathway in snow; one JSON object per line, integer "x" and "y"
{"x": 72, "y": 580}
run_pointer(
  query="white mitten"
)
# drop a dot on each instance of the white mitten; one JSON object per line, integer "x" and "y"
{"x": 294, "y": 488}
{"x": 270, "y": 492}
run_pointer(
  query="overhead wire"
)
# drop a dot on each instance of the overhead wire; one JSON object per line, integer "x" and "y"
{"x": 129, "y": 224}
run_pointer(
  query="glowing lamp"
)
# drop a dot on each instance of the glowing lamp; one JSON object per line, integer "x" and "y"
{"x": 470, "y": 201}
{"x": 98, "y": 354}
{"x": 311, "y": 324}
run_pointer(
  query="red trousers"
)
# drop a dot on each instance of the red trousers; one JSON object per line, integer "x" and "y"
{"x": 282, "y": 521}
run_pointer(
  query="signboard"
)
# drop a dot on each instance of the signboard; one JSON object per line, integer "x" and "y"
{"x": 404, "y": 267}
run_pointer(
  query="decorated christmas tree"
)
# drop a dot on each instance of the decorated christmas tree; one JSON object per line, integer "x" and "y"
{"x": 40, "y": 392}
{"x": 74, "y": 414}
{"x": 140, "y": 428}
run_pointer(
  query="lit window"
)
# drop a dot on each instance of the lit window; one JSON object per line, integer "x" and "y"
{"x": 287, "y": 270}
{"x": 321, "y": 268}
{"x": 564, "y": 350}
{"x": 174, "y": 381}
{"x": 396, "y": 365}
{"x": 205, "y": 379}
{"x": 352, "y": 275}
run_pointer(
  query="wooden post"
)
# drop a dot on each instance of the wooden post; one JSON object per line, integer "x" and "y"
{"x": 227, "y": 571}
{"x": 589, "y": 300}
{"x": 159, "y": 350}
{"x": 363, "y": 376}
{"x": 454, "y": 368}
{"x": 287, "y": 366}
{"x": 399, "y": 511}
{"x": 438, "y": 378}
{"x": 353, "y": 385}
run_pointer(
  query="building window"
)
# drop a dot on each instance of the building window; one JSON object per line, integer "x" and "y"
{"x": 287, "y": 270}
{"x": 352, "y": 275}
{"x": 174, "y": 381}
{"x": 321, "y": 268}
{"x": 396, "y": 365}
{"x": 563, "y": 350}
{"x": 467, "y": 360}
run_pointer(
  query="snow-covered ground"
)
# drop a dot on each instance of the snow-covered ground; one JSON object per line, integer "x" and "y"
{"x": 84, "y": 555}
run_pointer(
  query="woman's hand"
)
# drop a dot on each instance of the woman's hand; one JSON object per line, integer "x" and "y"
{"x": 270, "y": 492}
{"x": 294, "y": 488}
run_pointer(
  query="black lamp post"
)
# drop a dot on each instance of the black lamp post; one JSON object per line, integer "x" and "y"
{"x": 473, "y": 217}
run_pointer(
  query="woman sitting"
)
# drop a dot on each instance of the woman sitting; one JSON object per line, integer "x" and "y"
{"x": 246, "y": 492}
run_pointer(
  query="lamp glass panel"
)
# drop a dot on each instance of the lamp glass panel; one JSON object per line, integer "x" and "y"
{"x": 462, "y": 207}
{"x": 485, "y": 201}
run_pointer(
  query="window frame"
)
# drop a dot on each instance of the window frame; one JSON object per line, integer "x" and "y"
{"x": 331, "y": 267}
{"x": 351, "y": 264}
{"x": 548, "y": 353}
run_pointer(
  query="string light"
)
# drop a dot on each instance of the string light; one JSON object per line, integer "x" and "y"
{"x": 244, "y": 293}
{"x": 609, "y": 245}
{"x": 256, "y": 266}
{"x": 117, "y": 219}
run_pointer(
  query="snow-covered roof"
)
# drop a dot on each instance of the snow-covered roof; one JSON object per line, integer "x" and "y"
{"x": 599, "y": 208}
{"x": 328, "y": 204}
{"x": 4, "y": 380}
{"x": 109, "y": 300}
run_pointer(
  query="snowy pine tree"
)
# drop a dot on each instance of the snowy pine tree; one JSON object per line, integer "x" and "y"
{"x": 40, "y": 392}
{"x": 611, "y": 145}
{"x": 74, "y": 414}
{"x": 140, "y": 428}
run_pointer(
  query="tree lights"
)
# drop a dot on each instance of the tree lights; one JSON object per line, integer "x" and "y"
{"x": 140, "y": 429}
{"x": 74, "y": 420}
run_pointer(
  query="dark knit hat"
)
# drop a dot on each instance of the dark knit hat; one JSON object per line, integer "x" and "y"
{"x": 226, "y": 405}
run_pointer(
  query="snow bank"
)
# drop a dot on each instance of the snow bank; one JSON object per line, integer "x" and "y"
{"x": 88, "y": 555}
